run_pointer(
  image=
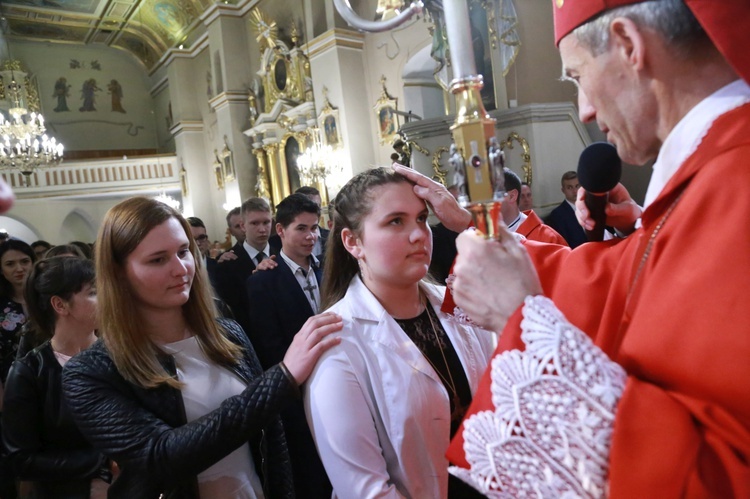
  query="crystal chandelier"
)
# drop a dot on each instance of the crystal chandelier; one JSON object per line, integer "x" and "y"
{"x": 23, "y": 144}
{"x": 321, "y": 163}
{"x": 165, "y": 198}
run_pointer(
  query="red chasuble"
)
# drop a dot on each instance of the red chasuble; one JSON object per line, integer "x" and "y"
{"x": 532, "y": 228}
{"x": 671, "y": 305}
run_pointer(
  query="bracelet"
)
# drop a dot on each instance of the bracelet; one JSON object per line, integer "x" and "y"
{"x": 104, "y": 473}
{"x": 288, "y": 375}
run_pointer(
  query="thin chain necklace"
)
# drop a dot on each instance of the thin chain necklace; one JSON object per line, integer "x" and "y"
{"x": 449, "y": 383}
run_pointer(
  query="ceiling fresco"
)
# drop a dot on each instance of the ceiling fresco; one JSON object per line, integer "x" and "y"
{"x": 146, "y": 28}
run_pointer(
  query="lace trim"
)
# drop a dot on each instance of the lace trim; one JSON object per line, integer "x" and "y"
{"x": 550, "y": 432}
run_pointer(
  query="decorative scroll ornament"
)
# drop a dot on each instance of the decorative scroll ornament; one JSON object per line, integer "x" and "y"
{"x": 550, "y": 432}
{"x": 528, "y": 174}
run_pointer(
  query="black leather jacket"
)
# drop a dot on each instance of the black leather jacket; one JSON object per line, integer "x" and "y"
{"x": 42, "y": 440}
{"x": 145, "y": 430}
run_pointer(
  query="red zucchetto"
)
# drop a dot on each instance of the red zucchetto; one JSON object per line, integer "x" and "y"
{"x": 727, "y": 23}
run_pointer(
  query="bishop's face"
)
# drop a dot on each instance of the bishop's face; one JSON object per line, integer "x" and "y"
{"x": 616, "y": 94}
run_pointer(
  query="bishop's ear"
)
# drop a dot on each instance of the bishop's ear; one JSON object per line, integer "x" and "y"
{"x": 351, "y": 243}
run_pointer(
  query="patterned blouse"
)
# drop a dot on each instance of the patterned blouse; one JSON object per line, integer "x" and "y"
{"x": 12, "y": 320}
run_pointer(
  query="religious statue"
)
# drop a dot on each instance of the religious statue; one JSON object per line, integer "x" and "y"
{"x": 459, "y": 173}
{"x": 497, "y": 164}
{"x": 402, "y": 155}
{"x": 252, "y": 101}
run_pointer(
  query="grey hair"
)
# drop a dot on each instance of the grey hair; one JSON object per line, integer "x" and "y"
{"x": 671, "y": 19}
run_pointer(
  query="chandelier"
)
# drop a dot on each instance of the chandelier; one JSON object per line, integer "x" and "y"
{"x": 165, "y": 198}
{"x": 24, "y": 145}
{"x": 321, "y": 163}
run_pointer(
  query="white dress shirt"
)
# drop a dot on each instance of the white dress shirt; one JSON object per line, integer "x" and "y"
{"x": 253, "y": 253}
{"x": 306, "y": 279}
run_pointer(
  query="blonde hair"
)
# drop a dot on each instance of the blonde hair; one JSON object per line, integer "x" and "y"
{"x": 132, "y": 351}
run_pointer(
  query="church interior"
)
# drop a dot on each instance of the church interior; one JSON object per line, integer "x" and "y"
{"x": 206, "y": 104}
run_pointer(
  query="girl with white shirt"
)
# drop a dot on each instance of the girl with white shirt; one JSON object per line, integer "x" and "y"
{"x": 174, "y": 396}
{"x": 383, "y": 405}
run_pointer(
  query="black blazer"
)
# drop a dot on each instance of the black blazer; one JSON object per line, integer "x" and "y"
{"x": 278, "y": 310}
{"x": 563, "y": 220}
{"x": 146, "y": 431}
{"x": 324, "y": 233}
{"x": 230, "y": 283}
{"x": 43, "y": 443}
{"x": 443, "y": 252}
{"x": 211, "y": 266}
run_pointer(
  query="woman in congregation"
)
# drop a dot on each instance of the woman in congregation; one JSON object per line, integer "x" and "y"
{"x": 31, "y": 338}
{"x": 16, "y": 260}
{"x": 383, "y": 405}
{"x": 42, "y": 441}
{"x": 176, "y": 397}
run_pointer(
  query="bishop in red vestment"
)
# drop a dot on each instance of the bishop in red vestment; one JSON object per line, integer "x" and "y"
{"x": 668, "y": 304}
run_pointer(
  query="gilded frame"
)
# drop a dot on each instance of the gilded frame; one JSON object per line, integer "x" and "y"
{"x": 330, "y": 128}
{"x": 387, "y": 119}
{"x": 218, "y": 169}
{"x": 184, "y": 182}
{"x": 227, "y": 163}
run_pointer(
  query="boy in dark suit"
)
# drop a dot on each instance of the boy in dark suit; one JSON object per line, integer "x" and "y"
{"x": 280, "y": 300}
{"x": 231, "y": 274}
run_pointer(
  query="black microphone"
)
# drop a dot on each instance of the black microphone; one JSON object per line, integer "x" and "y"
{"x": 599, "y": 171}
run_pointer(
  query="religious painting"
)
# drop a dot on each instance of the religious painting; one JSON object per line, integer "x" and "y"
{"x": 480, "y": 41}
{"x": 88, "y": 95}
{"x": 291, "y": 153}
{"x": 115, "y": 90}
{"x": 387, "y": 122}
{"x": 328, "y": 122}
{"x": 385, "y": 112}
{"x": 227, "y": 162}
{"x": 61, "y": 93}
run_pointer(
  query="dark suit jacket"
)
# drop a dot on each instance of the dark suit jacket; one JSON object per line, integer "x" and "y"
{"x": 211, "y": 265}
{"x": 230, "y": 284}
{"x": 443, "y": 252}
{"x": 278, "y": 310}
{"x": 563, "y": 220}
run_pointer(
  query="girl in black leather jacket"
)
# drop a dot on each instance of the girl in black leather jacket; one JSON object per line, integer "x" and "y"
{"x": 175, "y": 397}
{"x": 44, "y": 445}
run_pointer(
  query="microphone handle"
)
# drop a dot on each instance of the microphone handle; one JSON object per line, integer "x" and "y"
{"x": 596, "y": 204}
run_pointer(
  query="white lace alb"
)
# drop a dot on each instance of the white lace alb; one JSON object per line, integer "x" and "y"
{"x": 550, "y": 432}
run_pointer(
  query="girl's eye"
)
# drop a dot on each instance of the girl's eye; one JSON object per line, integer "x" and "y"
{"x": 422, "y": 218}
{"x": 158, "y": 260}
{"x": 396, "y": 221}
{"x": 183, "y": 252}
